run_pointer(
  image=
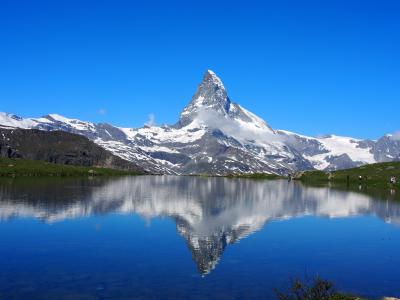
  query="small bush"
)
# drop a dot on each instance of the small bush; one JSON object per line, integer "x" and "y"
{"x": 316, "y": 289}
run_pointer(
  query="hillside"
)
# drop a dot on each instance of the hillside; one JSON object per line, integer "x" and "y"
{"x": 18, "y": 167}
{"x": 59, "y": 147}
{"x": 372, "y": 175}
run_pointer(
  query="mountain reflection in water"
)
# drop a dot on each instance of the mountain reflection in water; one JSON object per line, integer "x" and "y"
{"x": 210, "y": 213}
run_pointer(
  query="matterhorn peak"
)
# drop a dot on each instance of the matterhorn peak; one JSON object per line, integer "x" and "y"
{"x": 210, "y": 95}
{"x": 211, "y": 76}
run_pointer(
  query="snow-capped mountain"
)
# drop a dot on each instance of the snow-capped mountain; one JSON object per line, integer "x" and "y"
{"x": 217, "y": 136}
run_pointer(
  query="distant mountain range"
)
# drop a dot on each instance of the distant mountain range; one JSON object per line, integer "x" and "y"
{"x": 217, "y": 136}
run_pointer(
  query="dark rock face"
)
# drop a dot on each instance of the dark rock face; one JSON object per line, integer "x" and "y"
{"x": 59, "y": 147}
{"x": 387, "y": 148}
{"x": 341, "y": 162}
{"x": 175, "y": 158}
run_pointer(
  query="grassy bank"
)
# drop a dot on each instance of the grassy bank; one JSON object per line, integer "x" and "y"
{"x": 374, "y": 182}
{"x": 373, "y": 175}
{"x": 34, "y": 168}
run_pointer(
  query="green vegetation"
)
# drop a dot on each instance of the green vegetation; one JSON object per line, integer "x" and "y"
{"x": 373, "y": 175}
{"x": 256, "y": 176}
{"x": 24, "y": 167}
{"x": 375, "y": 180}
{"x": 316, "y": 289}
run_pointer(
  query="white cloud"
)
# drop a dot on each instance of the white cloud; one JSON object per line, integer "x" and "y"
{"x": 151, "y": 121}
{"x": 102, "y": 111}
{"x": 233, "y": 128}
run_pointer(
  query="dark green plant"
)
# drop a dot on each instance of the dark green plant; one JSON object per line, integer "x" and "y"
{"x": 315, "y": 289}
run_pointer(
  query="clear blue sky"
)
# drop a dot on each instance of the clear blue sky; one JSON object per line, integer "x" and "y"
{"x": 313, "y": 67}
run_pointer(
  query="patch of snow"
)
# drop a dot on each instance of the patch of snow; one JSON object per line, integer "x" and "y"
{"x": 159, "y": 149}
{"x": 13, "y": 121}
{"x": 339, "y": 145}
{"x": 255, "y": 120}
{"x": 74, "y": 123}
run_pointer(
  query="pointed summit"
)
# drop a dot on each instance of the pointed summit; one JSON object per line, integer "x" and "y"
{"x": 210, "y": 95}
{"x": 211, "y": 76}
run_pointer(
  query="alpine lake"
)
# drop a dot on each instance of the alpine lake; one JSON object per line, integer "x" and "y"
{"x": 181, "y": 237}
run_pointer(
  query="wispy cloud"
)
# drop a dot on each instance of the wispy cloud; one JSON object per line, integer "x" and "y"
{"x": 151, "y": 121}
{"x": 102, "y": 111}
{"x": 396, "y": 136}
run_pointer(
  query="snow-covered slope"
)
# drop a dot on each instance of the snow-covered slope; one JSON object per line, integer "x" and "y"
{"x": 217, "y": 136}
{"x": 14, "y": 121}
{"x": 332, "y": 152}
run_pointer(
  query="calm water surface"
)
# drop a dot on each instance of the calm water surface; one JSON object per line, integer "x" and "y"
{"x": 168, "y": 237}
